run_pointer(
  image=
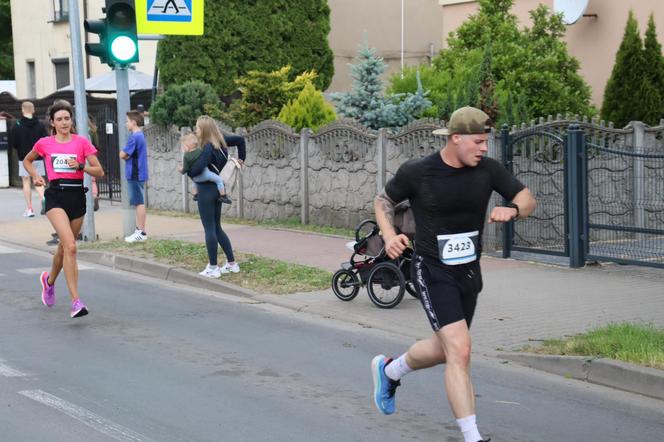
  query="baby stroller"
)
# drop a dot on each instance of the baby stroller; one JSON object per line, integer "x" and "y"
{"x": 386, "y": 279}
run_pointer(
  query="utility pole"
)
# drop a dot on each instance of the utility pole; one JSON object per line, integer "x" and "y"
{"x": 81, "y": 112}
{"x": 122, "y": 88}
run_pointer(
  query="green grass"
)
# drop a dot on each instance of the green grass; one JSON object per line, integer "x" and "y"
{"x": 288, "y": 224}
{"x": 641, "y": 344}
{"x": 263, "y": 275}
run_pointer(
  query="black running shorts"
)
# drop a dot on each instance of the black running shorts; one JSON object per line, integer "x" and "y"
{"x": 72, "y": 201}
{"x": 448, "y": 293}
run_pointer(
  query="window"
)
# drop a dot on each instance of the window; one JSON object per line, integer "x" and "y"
{"x": 32, "y": 81}
{"x": 61, "y": 72}
{"x": 60, "y": 10}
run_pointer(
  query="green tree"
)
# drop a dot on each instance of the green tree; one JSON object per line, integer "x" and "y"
{"x": 6, "y": 46}
{"x": 654, "y": 75}
{"x": 625, "y": 90}
{"x": 492, "y": 63}
{"x": 182, "y": 104}
{"x": 309, "y": 109}
{"x": 366, "y": 102}
{"x": 250, "y": 35}
{"x": 264, "y": 94}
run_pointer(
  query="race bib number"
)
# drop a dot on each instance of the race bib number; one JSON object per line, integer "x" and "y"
{"x": 458, "y": 248}
{"x": 59, "y": 161}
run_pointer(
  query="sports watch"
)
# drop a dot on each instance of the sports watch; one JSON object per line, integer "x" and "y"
{"x": 511, "y": 205}
{"x": 81, "y": 166}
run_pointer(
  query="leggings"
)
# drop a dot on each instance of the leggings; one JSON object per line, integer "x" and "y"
{"x": 209, "y": 209}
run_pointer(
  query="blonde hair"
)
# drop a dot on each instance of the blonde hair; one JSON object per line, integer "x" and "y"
{"x": 208, "y": 132}
{"x": 189, "y": 138}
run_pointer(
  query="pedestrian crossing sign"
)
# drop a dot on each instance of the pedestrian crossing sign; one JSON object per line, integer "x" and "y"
{"x": 169, "y": 17}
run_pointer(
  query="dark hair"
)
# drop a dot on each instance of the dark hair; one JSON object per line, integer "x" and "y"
{"x": 136, "y": 117}
{"x": 57, "y": 106}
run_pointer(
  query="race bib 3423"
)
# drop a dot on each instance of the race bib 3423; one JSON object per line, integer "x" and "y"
{"x": 458, "y": 248}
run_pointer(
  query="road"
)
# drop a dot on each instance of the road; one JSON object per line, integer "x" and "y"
{"x": 159, "y": 362}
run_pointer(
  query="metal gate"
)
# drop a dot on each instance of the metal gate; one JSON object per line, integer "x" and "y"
{"x": 600, "y": 193}
{"x": 536, "y": 156}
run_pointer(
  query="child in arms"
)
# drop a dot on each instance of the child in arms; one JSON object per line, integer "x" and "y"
{"x": 189, "y": 145}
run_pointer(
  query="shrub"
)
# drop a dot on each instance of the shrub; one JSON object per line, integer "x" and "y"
{"x": 182, "y": 104}
{"x": 264, "y": 94}
{"x": 309, "y": 109}
{"x": 242, "y": 36}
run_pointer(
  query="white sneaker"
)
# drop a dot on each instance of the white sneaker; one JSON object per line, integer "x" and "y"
{"x": 228, "y": 268}
{"x": 28, "y": 213}
{"x": 137, "y": 236}
{"x": 211, "y": 271}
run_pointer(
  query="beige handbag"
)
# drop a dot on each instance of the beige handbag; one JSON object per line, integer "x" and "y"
{"x": 231, "y": 172}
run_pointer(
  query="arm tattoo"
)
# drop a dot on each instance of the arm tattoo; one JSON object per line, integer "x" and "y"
{"x": 386, "y": 206}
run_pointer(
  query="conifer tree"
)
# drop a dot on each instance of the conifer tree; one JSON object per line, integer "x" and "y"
{"x": 625, "y": 90}
{"x": 309, "y": 110}
{"x": 366, "y": 102}
{"x": 242, "y": 36}
{"x": 654, "y": 75}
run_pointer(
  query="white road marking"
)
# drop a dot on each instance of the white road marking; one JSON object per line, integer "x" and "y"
{"x": 8, "y": 372}
{"x": 5, "y": 250}
{"x": 38, "y": 270}
{"x": 507, "y": 402}
{"x": 98, "y": 423}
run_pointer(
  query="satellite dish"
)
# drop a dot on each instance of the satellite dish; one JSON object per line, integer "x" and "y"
{"x": 572, "y": 9}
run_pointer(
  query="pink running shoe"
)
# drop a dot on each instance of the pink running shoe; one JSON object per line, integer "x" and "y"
{"x": 78, "y": 309}
{"x": 48, "y": 291}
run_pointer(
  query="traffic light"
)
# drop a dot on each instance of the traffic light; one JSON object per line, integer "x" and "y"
{"x": 97, "y": 49}
{"x": 118, "y": 42}
{"x": 121, "y": 38}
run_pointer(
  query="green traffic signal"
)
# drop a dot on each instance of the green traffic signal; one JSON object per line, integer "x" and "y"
{"x": 118, "y": 42}
{"x": 122, "y": 41}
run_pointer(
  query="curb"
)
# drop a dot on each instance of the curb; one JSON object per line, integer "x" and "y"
{"x": 166, "y": 272}
{"x": 608, "y": 372}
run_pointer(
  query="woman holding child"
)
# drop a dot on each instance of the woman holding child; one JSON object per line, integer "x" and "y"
{"x": 213, "y": 156}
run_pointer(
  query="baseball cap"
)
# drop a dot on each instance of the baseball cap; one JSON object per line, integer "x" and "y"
{"x": 466, "y": 121}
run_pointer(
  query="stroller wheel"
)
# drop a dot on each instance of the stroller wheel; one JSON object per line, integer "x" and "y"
{"x": 345, "y": 284}
{"x": 386, "y": 285}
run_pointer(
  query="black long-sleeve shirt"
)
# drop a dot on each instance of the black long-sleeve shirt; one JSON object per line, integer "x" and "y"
{"x": 216, "y": 157}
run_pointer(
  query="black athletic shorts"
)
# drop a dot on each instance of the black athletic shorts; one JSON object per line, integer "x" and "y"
{"x": 71, "y": 199}
{"x": 448, "y": 293}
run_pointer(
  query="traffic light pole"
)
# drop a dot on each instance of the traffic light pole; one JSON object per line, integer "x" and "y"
{"x": 122, "y": 87}
{"x": 81, "y": 111}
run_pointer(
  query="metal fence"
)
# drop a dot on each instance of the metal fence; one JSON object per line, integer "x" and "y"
{"x": 599, "y": 191}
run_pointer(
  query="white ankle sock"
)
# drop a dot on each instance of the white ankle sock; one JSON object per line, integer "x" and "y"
{"x": 398, "y": 368}
{"x": 468, "y": 426}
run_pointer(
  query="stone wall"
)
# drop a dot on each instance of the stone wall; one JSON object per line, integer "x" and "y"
{"x": 331, "y": 177}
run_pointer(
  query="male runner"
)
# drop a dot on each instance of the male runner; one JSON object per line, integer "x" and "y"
{"x": 449, "y": 192}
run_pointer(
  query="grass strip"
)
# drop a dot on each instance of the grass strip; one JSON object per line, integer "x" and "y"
{"x": 287, "y": 224}
{"x": 263, "y": 275}
{"x": 637, "y": 343}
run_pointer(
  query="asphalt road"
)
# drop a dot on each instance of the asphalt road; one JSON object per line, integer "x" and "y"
{"x": 155, "y": 361}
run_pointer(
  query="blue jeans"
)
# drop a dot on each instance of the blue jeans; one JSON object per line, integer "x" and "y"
{"x": 208, "y": 175}
{"x": 136, "y": 191}
{"x": 209, "y": 209}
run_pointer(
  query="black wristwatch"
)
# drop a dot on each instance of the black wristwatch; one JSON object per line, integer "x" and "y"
{"x": 511, "y": 205}
{"x": 81, "y": 166}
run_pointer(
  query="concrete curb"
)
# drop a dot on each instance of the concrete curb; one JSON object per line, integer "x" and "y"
{"x": 163, "y": 271}
{"x": 608, "y": 372}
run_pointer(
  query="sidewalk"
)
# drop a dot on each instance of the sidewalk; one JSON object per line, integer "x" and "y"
{"x": 521, "y": 302}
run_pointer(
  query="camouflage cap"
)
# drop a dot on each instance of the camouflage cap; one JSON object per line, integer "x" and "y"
{"x": 466, "y": 121}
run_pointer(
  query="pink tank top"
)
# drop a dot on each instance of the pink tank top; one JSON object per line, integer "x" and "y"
{"x": 56, "y": 154}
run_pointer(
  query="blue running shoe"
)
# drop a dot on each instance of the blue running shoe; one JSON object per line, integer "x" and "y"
{"x": 384, "y": 387}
